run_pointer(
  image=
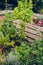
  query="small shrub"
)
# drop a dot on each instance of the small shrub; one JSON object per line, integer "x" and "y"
{"x": 8, "y": 31}
{"x": 23, "y": 11}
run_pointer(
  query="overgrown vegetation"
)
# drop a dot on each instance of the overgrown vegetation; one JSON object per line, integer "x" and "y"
{"x": 13, "y": 50}
{"x": 8, "y": 31}
{"x": 14, "y": 47}
{"x": 28, "y": 54}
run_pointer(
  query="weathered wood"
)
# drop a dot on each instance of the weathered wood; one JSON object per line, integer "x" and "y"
{"x": 3, "y": 12}
{"x": 32, "y": 32}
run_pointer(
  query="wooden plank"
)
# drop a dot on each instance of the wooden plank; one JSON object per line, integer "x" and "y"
{"x": 35, "y": 32}
{"x": 3, "y": 12}
{"x": 31, "y": 26}
{"x": 32, "y": 32}
{"x": 29, "y": 34}
{"x": 30, "y": 39}
{"x": 34, "y": 27}
{"x": 33, "y": 36}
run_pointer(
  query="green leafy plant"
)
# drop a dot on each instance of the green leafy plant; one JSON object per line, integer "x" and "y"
{"x": 30, "y": 54}
{"x": 8, "y": 31}
{"x": 23, "y": 11}
{"x": 22, "y": 30}
{"x": 22, "y": 53}
{"x": 1, "y": 58}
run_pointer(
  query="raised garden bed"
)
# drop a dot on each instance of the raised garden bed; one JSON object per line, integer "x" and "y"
{"x": 32, "y": 31}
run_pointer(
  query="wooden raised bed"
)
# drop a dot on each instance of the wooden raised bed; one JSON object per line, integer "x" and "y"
{"x": 32, "y": 32}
